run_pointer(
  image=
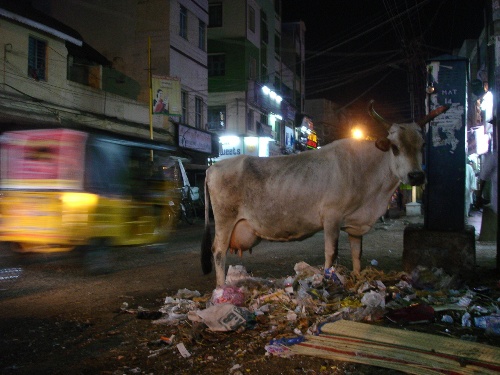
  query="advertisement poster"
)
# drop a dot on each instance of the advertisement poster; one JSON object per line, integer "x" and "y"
{"x": 166, "y": 93}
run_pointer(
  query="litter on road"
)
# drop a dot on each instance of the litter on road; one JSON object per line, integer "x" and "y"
{"x": 424, "y": 320}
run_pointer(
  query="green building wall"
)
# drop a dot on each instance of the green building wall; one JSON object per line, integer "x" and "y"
{"x": 239, "y": 52}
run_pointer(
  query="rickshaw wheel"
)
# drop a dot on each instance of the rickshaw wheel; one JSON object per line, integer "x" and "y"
{"x": 166, "y": 220}
{"x": 26, "y": 247}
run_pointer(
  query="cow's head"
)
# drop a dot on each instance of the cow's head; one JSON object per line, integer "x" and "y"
{"x": 405, "y": 143}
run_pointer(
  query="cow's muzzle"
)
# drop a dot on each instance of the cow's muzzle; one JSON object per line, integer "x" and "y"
{"x": 416, "y": 178}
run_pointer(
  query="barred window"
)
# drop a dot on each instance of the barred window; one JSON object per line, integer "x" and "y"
{"x": 215, "y": 15}
{"x": 37, "y": 58}
{"x": 217, "y": 117}
{"x": 183, "y": 22}
{"x": 216, "y": 65}
{"x": 198, "y": 112}
{"x": 201, "y": 35}
{"x": 251, "y": 19}
{"x": 184, "y": 105}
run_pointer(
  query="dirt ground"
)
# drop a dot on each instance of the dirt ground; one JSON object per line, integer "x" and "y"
{"x": 64, "y": 322}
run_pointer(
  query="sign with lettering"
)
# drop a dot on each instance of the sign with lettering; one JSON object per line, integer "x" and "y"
{"x": 230, "y": 146}
{"x": 195, "y": 139}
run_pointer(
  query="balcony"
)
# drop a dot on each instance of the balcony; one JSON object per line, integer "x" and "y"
{"x": 264, "y": 130}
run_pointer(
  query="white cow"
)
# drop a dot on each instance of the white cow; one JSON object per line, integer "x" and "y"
{"x": 346, "y": 185}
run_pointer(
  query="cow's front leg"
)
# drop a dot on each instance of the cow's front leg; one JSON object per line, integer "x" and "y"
{"x": 356, "y": 243}
{"x": 331, "y": 245}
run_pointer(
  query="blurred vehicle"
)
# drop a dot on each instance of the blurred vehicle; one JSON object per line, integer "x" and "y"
{"x": 191, "y": 198}
{"x": 188, "y": 209}
{"x": 65, "y": 187}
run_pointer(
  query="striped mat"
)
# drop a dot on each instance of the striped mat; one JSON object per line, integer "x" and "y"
{"x": 398, "y": 349}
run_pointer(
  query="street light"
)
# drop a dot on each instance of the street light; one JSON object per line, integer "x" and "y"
{"x": 357, "y": 133}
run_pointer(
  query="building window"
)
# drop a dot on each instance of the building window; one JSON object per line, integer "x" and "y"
{"x": 201, "y": 35}
{"x": 277, "y": 7}
{"x": 276, "y": 130}
{"x": 250, "y": 121}
{"x": 216, "y": 65}
{"x": 198, "y": 112}
{"x": 277, "y": 82}
{"x": 287, "y": 92}
{"x": 264, "y": 34}
{"x": 252, "y": 68}
{"x": 217, "y": 118}
{"x": 298, "y": 65}
{"x": 251, "y": 19}
{"x": 215, "y": 15}
{"x": 183, "y": 15}
{"x": 37, "y": 58}
{"x": 84, "y": 71}
{"x": 263, "y": 64}
{"x": 277, "y": 46}
{"x": 184, "y": 105}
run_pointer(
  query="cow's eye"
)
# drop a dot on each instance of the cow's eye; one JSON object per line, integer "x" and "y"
{"x": 395, "y": 150}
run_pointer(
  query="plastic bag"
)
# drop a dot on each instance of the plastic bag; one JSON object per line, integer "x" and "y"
{"x": 228, "y": 294}
{"x": 235, "y": 274}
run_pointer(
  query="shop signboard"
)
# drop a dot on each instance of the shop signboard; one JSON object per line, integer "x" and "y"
{"x": 231, "y": 146}
{"x": 194, "y": 139}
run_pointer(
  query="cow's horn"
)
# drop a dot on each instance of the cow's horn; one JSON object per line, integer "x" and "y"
{"x": 376, "y": 116}
{"x": 430, "y": 116}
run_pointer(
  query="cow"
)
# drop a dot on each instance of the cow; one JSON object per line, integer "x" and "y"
{"x": 345, "y": 185}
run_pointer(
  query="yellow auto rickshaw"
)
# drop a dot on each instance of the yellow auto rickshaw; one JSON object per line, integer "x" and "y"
{"x": 63, "y": 187}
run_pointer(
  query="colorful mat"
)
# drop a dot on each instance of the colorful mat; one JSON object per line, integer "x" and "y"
{"x": 398, "y": 349}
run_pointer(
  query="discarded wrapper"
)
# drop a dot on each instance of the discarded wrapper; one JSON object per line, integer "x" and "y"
{"x": 182, "y": 349}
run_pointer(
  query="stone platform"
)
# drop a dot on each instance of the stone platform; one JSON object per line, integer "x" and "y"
{"x": 454, "y": 252}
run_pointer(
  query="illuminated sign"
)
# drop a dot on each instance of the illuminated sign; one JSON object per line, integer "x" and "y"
{"x": 312, "y": 140}
{"x": 232, "y": 145}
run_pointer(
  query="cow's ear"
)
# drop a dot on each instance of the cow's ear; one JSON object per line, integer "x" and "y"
{"x": 383, "y": 144}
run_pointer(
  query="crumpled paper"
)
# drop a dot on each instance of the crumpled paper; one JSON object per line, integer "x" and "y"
{"x": 223, "y": 317}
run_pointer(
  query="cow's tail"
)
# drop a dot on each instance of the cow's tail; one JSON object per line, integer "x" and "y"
{"x": 206, "y": 243}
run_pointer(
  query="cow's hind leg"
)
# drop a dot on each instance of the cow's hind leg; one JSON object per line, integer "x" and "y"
{"x": 356, "y": 243}
{"x": 219, "y": 251}
{"x": 331, "y": 245}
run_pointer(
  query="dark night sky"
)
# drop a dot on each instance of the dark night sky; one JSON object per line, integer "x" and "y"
{"x": 357, "y": 50}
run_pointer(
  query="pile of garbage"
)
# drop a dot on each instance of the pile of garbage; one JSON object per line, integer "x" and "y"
{"x": 284, "y": 310}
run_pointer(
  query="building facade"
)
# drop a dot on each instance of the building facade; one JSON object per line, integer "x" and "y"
{"x": 161, "y": 39}
{"x": 254, "y": 88}
{"x": 51, "y": 75}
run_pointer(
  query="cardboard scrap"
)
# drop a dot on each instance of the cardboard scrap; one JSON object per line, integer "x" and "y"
{"x": 411, "y": 352}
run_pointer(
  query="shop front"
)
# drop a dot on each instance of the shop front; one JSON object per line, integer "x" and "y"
{"x": 196, "y": 148}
